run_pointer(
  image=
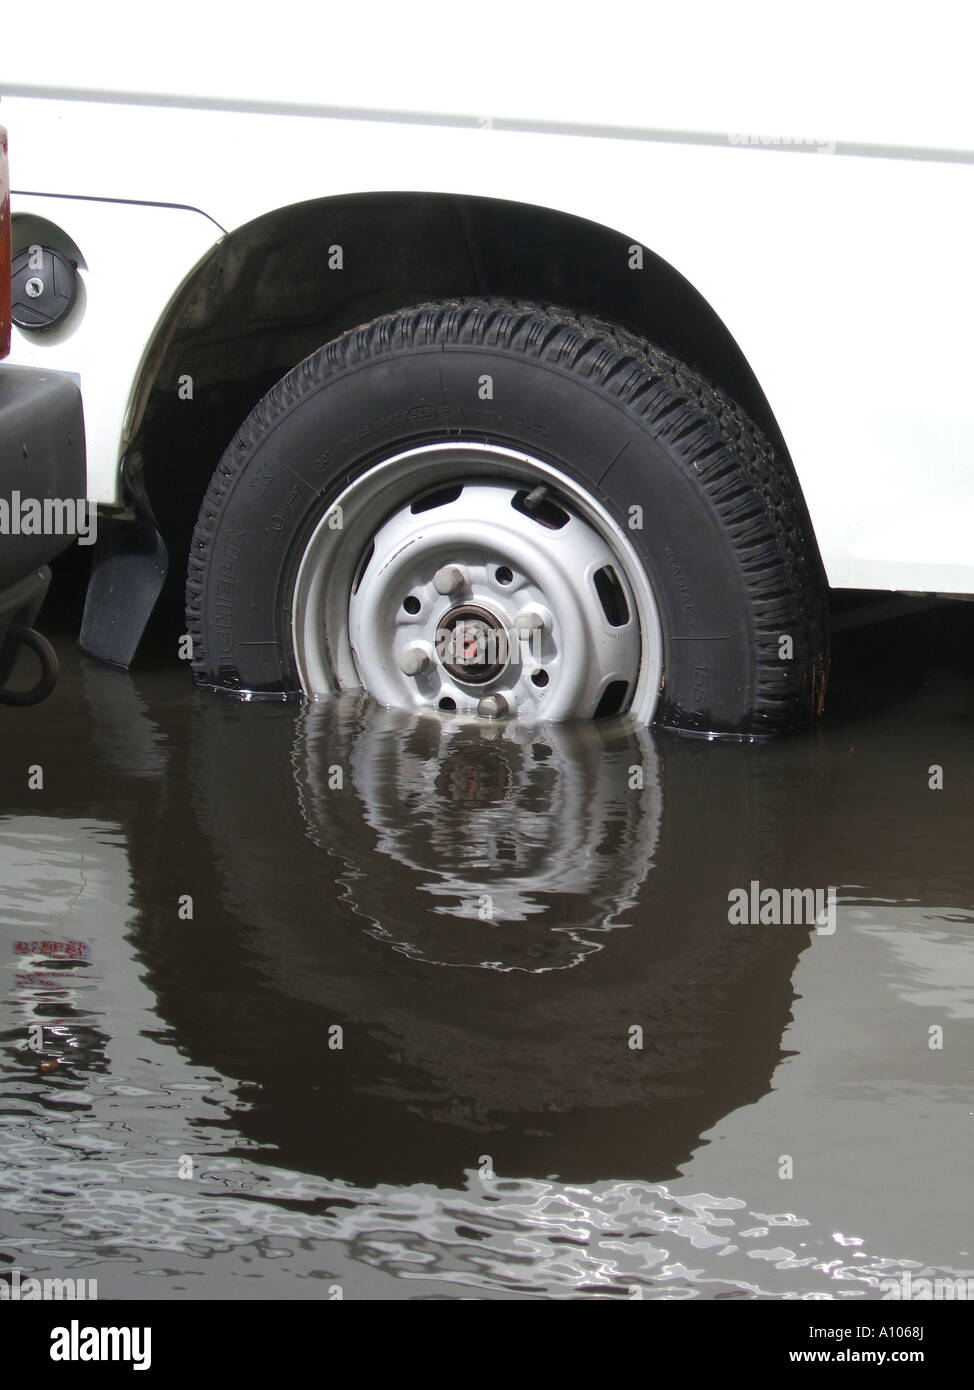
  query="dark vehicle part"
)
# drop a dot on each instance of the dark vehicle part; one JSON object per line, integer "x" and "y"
{"x": 128, "y": 571}
{"x": 16, "y": 638}
{"x": 42, "y": 458}
{"x": 44, "y": 288}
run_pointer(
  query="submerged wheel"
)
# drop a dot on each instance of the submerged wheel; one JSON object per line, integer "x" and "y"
{"x": 506, "y": 510}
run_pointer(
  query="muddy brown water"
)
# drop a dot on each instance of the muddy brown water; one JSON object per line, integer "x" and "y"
{"x": 300, "y": 1001}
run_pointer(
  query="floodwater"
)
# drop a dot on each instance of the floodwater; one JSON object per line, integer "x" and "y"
{"x": 329, "y": 1002}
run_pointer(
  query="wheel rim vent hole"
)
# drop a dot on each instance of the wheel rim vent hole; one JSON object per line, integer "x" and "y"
{"x": 439, "y": 497}
{"x": 545, "y": 512}
{"x": 611, "y": 596}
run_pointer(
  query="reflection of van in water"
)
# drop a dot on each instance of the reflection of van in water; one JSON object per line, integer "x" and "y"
{"x": 629, "y": 365}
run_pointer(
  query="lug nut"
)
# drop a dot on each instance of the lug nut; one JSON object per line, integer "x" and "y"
{"x": 527, "y": 623}
{"x": 449, "y": 580}
{"x": 529, "y": 629}
{"x": 492, "y": 707}
{"x": 414, "y": 661}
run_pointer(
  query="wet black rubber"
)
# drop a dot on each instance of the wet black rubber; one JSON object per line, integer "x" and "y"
{"x": 725, "y": 539}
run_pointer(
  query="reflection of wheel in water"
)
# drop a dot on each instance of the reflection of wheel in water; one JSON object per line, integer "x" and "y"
{"x": 276, "y": 954}
{"x": 303, "y": 922}
{"x": 531, "y": 844}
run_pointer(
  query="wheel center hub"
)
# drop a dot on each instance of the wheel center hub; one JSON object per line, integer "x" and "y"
{"x": 471, "y": 644}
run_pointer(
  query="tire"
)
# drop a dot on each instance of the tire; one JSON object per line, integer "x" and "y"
{"x": 659, "y": 549}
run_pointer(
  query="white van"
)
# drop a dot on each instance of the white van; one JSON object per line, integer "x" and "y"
{"x": 502, "y": 361}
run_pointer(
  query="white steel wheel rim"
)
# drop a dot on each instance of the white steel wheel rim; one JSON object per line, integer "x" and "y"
{"x": 469, "y": 601}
